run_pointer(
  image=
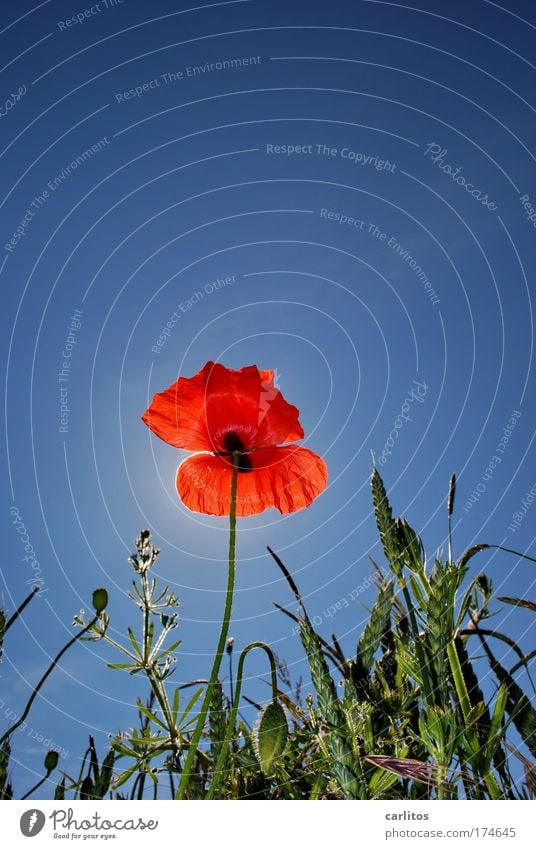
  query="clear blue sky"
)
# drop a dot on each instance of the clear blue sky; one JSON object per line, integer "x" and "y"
{"x": 149, "y": 151}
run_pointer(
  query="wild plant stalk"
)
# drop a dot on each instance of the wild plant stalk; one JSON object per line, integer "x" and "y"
{"x": 450, "y": 510}
{"x": 44, "y": 677}
{"x": 471, "y": 735}
{"x": 151, "y": 669}
{"x": 412, "y": 723}
{"x": 150, "y": 656}
{"x": 19, "y": 611}
{"x": 347, "y": 770}
{"x": 36, "y": 786}
{"x": 420, "y": 701}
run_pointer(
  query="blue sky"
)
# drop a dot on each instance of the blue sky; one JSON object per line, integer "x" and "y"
{"x": 285, "y": 176}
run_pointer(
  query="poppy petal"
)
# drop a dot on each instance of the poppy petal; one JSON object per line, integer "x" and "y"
{"x": 288, "y": 478}
{"x": 246, "y": 403}
{"x": 176, "y": 415}
{"x": 199, "y": 413}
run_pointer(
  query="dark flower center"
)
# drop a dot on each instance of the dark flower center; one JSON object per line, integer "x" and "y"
{"x": 232, "y": 442}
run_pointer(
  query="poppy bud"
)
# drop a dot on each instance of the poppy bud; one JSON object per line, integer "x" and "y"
{"x": 51, "y": 760}
{"x": 270, "y": 736}
{"x": 100, "y": 599}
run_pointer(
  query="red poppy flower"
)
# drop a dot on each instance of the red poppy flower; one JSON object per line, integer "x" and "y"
{"x": 221, "y": 410}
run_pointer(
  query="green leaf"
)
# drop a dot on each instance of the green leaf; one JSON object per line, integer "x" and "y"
{"x": 105, "y": 779}
{"x": 134, "y": 643}
{"x": 518, "y": 705}
{"x": 123, "y": 750}
{"x": 497, "y": 718}
{"x": 407, "y": 661}
{"x": 125, "y": 776}
{"x": 173, "y": 646}
{"x": 59, "y": 792}
{"x": 175, "y": 704}
{"x": 150, "y": 715}
{"x": 189, "y": 706}
{"x": 475, "y": 713}
{"x": 376, "y": 626}
{"x": 417, "y": 591}
{"x": 410, "y": 546}
{"x": 381, "y": 781}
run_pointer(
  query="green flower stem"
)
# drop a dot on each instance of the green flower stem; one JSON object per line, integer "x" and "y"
{"x": 58, "y": 657}
{"x": 220, "y": 764}
{"x": 186, "y": 772}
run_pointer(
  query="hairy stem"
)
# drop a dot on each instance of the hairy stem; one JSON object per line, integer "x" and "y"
{"x": 19, "y": 609}
{"x": 185, "y": 777}
{"x": 32, "y": 698}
